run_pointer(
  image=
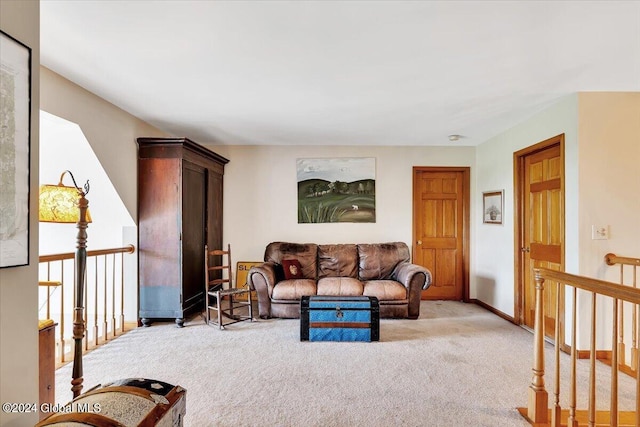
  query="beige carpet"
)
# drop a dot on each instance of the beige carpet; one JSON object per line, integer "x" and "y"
{"x": 458, "y": 364}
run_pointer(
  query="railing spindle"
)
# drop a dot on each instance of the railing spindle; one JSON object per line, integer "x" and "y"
{"x": 557, "y": 410}
{"x": 113, "y": 295}
{"x": 637, "y": 366}
{"x": 620, "y": 317}
{"x": 592, "y": 364}
{"x": 634, "y": 327}
{"x": 572, "y": 421}
{"x": 613, "y": 407}
{"x": 62, "y": 316}
{"x": 95, "y": 305}
{"x": 105, "y": 315}
{"x": 86, "y": 315}
{"x": 48, "y": 291}
{"x": 122, "y": 292}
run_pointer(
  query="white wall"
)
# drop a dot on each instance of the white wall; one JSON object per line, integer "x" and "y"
{"x": 58, "y": 138}
{"x": 260, "y": 194}
{"x": 493, "y": 245}
{"x": 111, "y": 131}
{"x": 609, "y": 135}
{"x": 19, "y": 285}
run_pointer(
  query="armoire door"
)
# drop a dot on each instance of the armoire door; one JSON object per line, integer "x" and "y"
{"x": 194, "y": 179}
{"x": 159, "y": 245}
{"x": 214, "y": 210}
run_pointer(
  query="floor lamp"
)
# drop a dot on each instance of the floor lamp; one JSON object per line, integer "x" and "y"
{"x": 62, "y": 204}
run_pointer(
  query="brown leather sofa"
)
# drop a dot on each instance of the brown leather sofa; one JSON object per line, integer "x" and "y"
{"x": 383, "y": 270}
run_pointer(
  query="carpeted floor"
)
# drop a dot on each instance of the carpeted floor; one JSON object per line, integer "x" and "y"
{"x": 458, "y": 364}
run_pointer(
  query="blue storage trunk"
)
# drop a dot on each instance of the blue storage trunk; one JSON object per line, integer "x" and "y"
{"x": 337, "y": 318}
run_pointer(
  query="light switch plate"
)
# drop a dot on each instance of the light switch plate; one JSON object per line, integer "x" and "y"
{"x": 599, "y": 232}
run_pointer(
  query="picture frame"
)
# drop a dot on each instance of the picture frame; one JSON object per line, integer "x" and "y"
{"x": 15, "y": 145}
{"x": 492, "y": 207}
{"x": 336, "y": 190}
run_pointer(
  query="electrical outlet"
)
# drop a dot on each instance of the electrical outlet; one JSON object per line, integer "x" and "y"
{"x": 599, "y": 232}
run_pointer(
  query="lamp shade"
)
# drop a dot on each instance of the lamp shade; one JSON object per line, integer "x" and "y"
{"x": 59, "y": 204}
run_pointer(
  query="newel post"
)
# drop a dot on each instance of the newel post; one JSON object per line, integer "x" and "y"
{"x": 538, "y": 397}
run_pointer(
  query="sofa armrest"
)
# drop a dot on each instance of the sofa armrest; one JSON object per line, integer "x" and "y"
{"x": 416, "y": 279}
{"x": 262, "y": 279}
{"x": 411, "y": 275}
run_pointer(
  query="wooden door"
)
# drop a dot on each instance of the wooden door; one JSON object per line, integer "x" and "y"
{"x": 540, "y": 181}
{"x": 441, "y": 229}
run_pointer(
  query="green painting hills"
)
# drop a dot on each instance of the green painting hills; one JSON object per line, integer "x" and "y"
{"x": 325, "y": 201}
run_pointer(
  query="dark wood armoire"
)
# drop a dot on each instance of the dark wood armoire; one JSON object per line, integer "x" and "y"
{"x": 179, "y": 211}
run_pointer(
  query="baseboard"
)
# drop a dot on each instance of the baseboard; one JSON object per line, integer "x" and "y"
{"x": 602, "y": 418}
{"x": 600, "y": 354}
{"x": 604, "y": 356}
{"x": 494, "y": 310}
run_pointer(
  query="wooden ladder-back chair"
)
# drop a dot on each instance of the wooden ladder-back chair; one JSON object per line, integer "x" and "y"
{"x": 220, "y": 291}
{"x": 213, "y": 280}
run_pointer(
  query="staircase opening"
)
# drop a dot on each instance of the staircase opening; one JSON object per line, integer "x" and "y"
{"x": 110, "y": 281}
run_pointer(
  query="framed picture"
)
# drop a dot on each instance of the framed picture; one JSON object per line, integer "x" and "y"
{"x": 15, "y": 129}
{"x": 492, "y": 207}
{"x": 339, "y": 189}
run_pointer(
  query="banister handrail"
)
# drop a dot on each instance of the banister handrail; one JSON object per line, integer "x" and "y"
{"x": 601, "y": 287}
{"x": 612, "y": 259}
{"x": 105, "y": 285}
{"x": 129, "y": 249}
{"x": 538, "y": 411}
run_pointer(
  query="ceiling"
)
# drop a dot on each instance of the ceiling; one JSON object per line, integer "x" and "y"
{"x": 341, "y": 72}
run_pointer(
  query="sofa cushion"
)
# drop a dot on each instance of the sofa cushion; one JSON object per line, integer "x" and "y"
{"x": 385, "y": 290}
{"x": 293, "y": 289}
{"x": 379, "y": 260}
{"x": 305, "y": 253}
{"x": 341, "y": 286}
{"x": 292, "y": 269}
{"x": 337, "y": 261}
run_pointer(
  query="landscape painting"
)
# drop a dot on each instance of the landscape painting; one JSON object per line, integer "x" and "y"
{"x": 15, "y": 127}
{"x": 336, "y": 190}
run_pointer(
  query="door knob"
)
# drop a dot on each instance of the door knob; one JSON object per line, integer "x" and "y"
{"x": 525, "y": 249}
{"x": 419, "y": 242}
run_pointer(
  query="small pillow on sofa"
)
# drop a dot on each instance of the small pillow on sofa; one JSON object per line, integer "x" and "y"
{"x": 292, "y": 269}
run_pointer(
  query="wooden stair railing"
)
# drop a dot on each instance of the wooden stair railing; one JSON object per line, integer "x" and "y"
{"x": 105, "y": 285}
{"x": 631, "y": 265}
{"x": 537, "y": 411}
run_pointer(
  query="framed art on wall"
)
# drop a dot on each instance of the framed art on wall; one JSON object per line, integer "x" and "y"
{"x": 339, "y": 189}
{"x": 15, "y": 127}
{"x": 492, "y": 207}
